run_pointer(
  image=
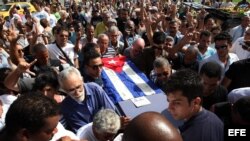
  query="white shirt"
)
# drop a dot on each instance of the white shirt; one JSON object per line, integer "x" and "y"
{"x": 55, "y": 53}
{"x": 238, "y": 50}
{"x": 84, "y": 41}
{"x": 236, "y": 32}
{"x": 61, "y": 132}
{"x": 232, "y": 58}
{"x": 86, "y": 132}
{"x": 41, "y": 15}
{"x": 52, "y": 20}
{"x": 7, "y": 100}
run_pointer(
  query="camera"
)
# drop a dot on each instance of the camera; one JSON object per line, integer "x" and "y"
{"x": 245, "y": 44}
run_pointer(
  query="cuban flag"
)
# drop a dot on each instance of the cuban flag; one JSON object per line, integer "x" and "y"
{"x": 123, "y": 80}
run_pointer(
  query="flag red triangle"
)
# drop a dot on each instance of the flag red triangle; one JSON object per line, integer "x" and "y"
{"x": 115, "y": 63}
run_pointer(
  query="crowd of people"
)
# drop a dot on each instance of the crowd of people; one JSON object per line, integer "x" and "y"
{"x": 51, "y": 86}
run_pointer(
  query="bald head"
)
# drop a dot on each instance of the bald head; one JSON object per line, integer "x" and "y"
{"x": 138, "y": 46}
{"x": 151, "y": 126}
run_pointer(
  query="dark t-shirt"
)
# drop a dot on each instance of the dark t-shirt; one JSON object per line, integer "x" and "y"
{"x": 239, "y": 74}
{"x": 205, "y": 126}
{"x": 96, "y": 20}
{"x": 178, "y": 63}
{"x": 121, "y": 24}
{"x": 145, "y": 60}
{"x": 80, "y": 17}
{"x": 219, "y": 95}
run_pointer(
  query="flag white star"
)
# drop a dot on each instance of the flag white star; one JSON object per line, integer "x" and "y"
{"x": 112, "y": 62}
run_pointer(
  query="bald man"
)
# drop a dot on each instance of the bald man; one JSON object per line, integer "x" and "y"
{"x": 136, "y": 49}
{"x": 151, "y": 126}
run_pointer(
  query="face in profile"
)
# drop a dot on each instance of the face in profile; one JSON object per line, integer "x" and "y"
{"x": 42, "y": 57}
{"x": 209, "y": 84}
{"x": 103, "y": 43}
{"x": 94, "y": 67}
{"x": 47, "y": 132}
{"x": 179, "y": 107}
{"x": 162, "y": 74}
{"x": 73, "y": 86}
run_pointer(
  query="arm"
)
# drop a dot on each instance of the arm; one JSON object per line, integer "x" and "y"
{"x": 11, "y": 80}
{"x": 78, "y": 43}
{"x": 178, "y": 47}
{"x": 76, "y": 62}
{"x": 226, "y": 82}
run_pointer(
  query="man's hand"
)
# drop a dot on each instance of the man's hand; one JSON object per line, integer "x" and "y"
{"x": 12, "y": 35}
{"x": 124, "y": 121}
{"x": 24, "y": 67}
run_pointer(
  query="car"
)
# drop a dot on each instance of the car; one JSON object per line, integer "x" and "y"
{"x": 5, "y": 8}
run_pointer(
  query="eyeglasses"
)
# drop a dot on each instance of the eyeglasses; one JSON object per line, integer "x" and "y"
{"x": 114, "y": 35}
{"x": 96, "y": 67}
{"x": 221, "y": 47}
{"x": 162, "y": 74}
{"x": 78, "y": 89}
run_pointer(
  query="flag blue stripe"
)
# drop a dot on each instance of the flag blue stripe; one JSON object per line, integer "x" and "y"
{"x": 144, "y": 77}
{"x": 110, "y": 89}
{"x": 133, "y": 88}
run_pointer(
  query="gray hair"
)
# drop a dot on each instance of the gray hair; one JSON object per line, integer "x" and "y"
{"x": 113, "y": 29}
{"x": 106, "y": 121}
{"x": 170, "y": 38}
{"x": 161, "y": 62}
{"x": 66, "y": 73}
{"x": 100, "y": 36}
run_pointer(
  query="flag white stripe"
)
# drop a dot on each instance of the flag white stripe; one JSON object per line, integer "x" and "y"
{"x": 120, "y": 87}
{"x": 146, "y": 89}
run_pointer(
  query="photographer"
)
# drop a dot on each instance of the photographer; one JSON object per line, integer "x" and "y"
{"x": 241, "y": 47}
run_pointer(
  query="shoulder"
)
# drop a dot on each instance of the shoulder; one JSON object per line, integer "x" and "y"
{"x": 212, "y": 116}
{"x": 69, "y": 45}
{"x": 92, "y": 87}
{"x": 81, "y": 132}
{"x": 233, "y": 57}
{"x": 51, "y": 46}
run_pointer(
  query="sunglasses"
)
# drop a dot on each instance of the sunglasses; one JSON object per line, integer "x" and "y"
{"x": 95, "y": 67}
{"x": 162, "y": 74}
{"x": 221, "y": 47}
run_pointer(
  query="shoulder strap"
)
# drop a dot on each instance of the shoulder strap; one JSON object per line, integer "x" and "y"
{"x": 64, "y": 54}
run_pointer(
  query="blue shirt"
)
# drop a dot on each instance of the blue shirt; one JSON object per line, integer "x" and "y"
{"x": 205, "y": 126}
{"x": 76, "y": 115}
{"x": 210, "y": 51}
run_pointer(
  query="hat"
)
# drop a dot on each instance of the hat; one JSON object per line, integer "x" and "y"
{"x": 154, "y": 8}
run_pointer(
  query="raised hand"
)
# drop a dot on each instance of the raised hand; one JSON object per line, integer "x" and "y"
{"x": 24, "y": 67}
{"x": 12, "y": 35}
